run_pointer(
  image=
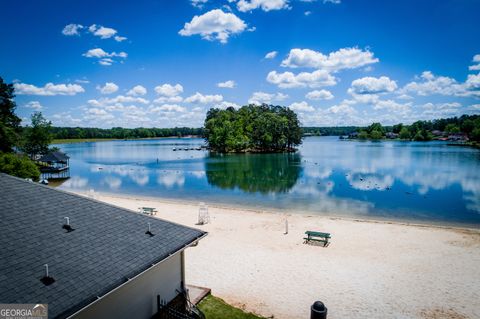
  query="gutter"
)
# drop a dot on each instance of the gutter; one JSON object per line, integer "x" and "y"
{"x": 192, "y": 244}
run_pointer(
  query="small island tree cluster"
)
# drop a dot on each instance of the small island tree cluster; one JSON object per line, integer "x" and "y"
{"x": 253, "y": 128}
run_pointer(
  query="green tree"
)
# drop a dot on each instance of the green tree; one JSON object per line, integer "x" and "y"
{"x": 376, "y": 127}
{"x": 475, "y": 135}
{"x": 9, "y": 122}
{"x": 363, "y": 135}
{"x": 404, "y": 133}
{"x": 397, "y": 128}
{"x": 452, "y": 128}
{"x": 37, "y": 137}
{"x": 467, "y": 126}
{"x": 376, "y": 135}
{"x": 263, "y": 128}
{"x": 20, "y": 166}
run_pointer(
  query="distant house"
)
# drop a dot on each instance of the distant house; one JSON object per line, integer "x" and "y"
{"x": 102, "y": 261}
{"x": 437, "y": 133}
{"x": 391, "y": 135}
{"x": 457, "y": 137}
{"x": 353, "y": 135}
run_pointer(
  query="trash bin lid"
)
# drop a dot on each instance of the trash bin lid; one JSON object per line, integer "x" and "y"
{"x": 318, "y": 305}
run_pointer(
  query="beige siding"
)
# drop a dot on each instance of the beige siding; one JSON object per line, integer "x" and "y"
{"x": 138, "y": 298}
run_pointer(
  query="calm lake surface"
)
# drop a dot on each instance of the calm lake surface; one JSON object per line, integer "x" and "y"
{"x": 426, "y": 182}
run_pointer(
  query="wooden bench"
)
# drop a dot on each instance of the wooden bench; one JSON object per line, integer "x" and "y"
{"x": 148, "y": 210}
{"x": 315, "y": 236}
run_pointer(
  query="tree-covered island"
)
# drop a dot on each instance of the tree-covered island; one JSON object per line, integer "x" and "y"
{"x": 253, "y": 128}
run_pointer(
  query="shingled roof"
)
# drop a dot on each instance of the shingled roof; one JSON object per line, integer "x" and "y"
{"x": 54, "y": 157}
{"x": 108, "y": 246}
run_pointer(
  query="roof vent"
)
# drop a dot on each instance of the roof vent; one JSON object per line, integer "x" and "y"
{"x": 148, "y": 232}
{"x": 47, "y": 280}
{"x": 67, "y": 226}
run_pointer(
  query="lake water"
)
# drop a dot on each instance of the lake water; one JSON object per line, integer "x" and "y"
{"x": 425, "y": 182}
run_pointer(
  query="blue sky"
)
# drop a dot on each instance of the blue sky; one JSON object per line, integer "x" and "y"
{"x": 165, "y": 63}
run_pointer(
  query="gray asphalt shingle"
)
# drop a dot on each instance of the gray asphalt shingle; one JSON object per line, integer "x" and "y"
{"x": 108, "y": 246}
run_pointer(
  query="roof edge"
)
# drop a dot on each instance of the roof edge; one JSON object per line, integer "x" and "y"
{"x": 192, "y": 243}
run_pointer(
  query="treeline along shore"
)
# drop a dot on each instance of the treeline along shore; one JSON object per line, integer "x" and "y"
{"x": 463, "y": 128}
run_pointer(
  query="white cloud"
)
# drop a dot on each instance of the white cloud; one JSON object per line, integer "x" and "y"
{"x": 198, "y": 3}
{"x": 260, "y": 98}
{"x": 271, "y": 55}
{"x": 118, "y": 103}
{"x": 438, "y": 110}
{"x": 99, "y": 31}
{"x": 405, "y": 97}
{"x": 102, "y": 32}
{"x": 319, "y": 95}
{"x": 105, "y": 58}
{"x": 96, "y": 111}
{"x": 314, "y": 79}
{"x": 100, "y": 53}
{"x": 332, "y": 1}
{"x": 119, "y": 38}
{"x": 108, "y": 88}
{"x": 371, "y": 85}
{"x": 301, "y": 107}
{"x": 432, "y": 84}
{"x": 169, "y": 90}
{"x": 214, "y": 25}
{"x": 204, "y": 99}
{"x": 72, "y": 29}
{"x": 473, "y": 82}
{"x": 392, "y": 106}
{"x": 106, "y": 61}
{"x": 48, "y": 89}
{"x": 34, "y": 105}
{"x": 345, "y": 58}
{"x": 137, "y": 90}
{"x": 265, "y": 5}
{"x": 475, "y": 67}
{"x": 230, "y": 84}
{"x": 307, "y": 13}
{"x": 168, "y": 108}
{"x": 225, "y": 104}
{"x": 342, "y": 108}
{"x": 168, "y": 99}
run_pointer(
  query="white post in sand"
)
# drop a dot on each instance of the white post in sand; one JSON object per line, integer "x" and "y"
{"x": 286, "y": 226}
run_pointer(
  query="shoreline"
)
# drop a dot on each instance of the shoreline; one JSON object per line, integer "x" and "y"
{"x": 374, "y": 268}
{"x": 280, "y": 212}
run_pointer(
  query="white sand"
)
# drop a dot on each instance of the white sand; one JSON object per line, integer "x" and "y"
{"x": 370, "y": 270}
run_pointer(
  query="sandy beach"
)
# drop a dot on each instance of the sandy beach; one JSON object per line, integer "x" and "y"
{"x": 370, "y": 270}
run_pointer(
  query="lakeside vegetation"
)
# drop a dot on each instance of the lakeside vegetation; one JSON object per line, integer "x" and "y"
{"x": 252, "y": 128}
{"x": 19, "y": 145}
{"x": 467, "y": 125}
{"x": 464, "y": 128}
{"x": 66, "y": 133}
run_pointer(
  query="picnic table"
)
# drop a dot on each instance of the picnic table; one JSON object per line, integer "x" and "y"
{"x": 316, "y": 236}
{"x": 148, "y": 210}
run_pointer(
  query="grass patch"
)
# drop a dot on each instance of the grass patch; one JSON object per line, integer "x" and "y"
{"x": 216, "y": 308}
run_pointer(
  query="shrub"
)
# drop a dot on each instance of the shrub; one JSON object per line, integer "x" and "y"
{"x": 20, "y": 166}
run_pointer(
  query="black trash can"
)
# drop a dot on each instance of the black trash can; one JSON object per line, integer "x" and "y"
{"x": 318, "y": 311}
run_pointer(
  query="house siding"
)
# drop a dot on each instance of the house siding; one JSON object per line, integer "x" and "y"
{"x": 138, "y": 298}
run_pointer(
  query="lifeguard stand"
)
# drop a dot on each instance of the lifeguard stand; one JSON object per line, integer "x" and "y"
{"x": 203, "y": 216}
